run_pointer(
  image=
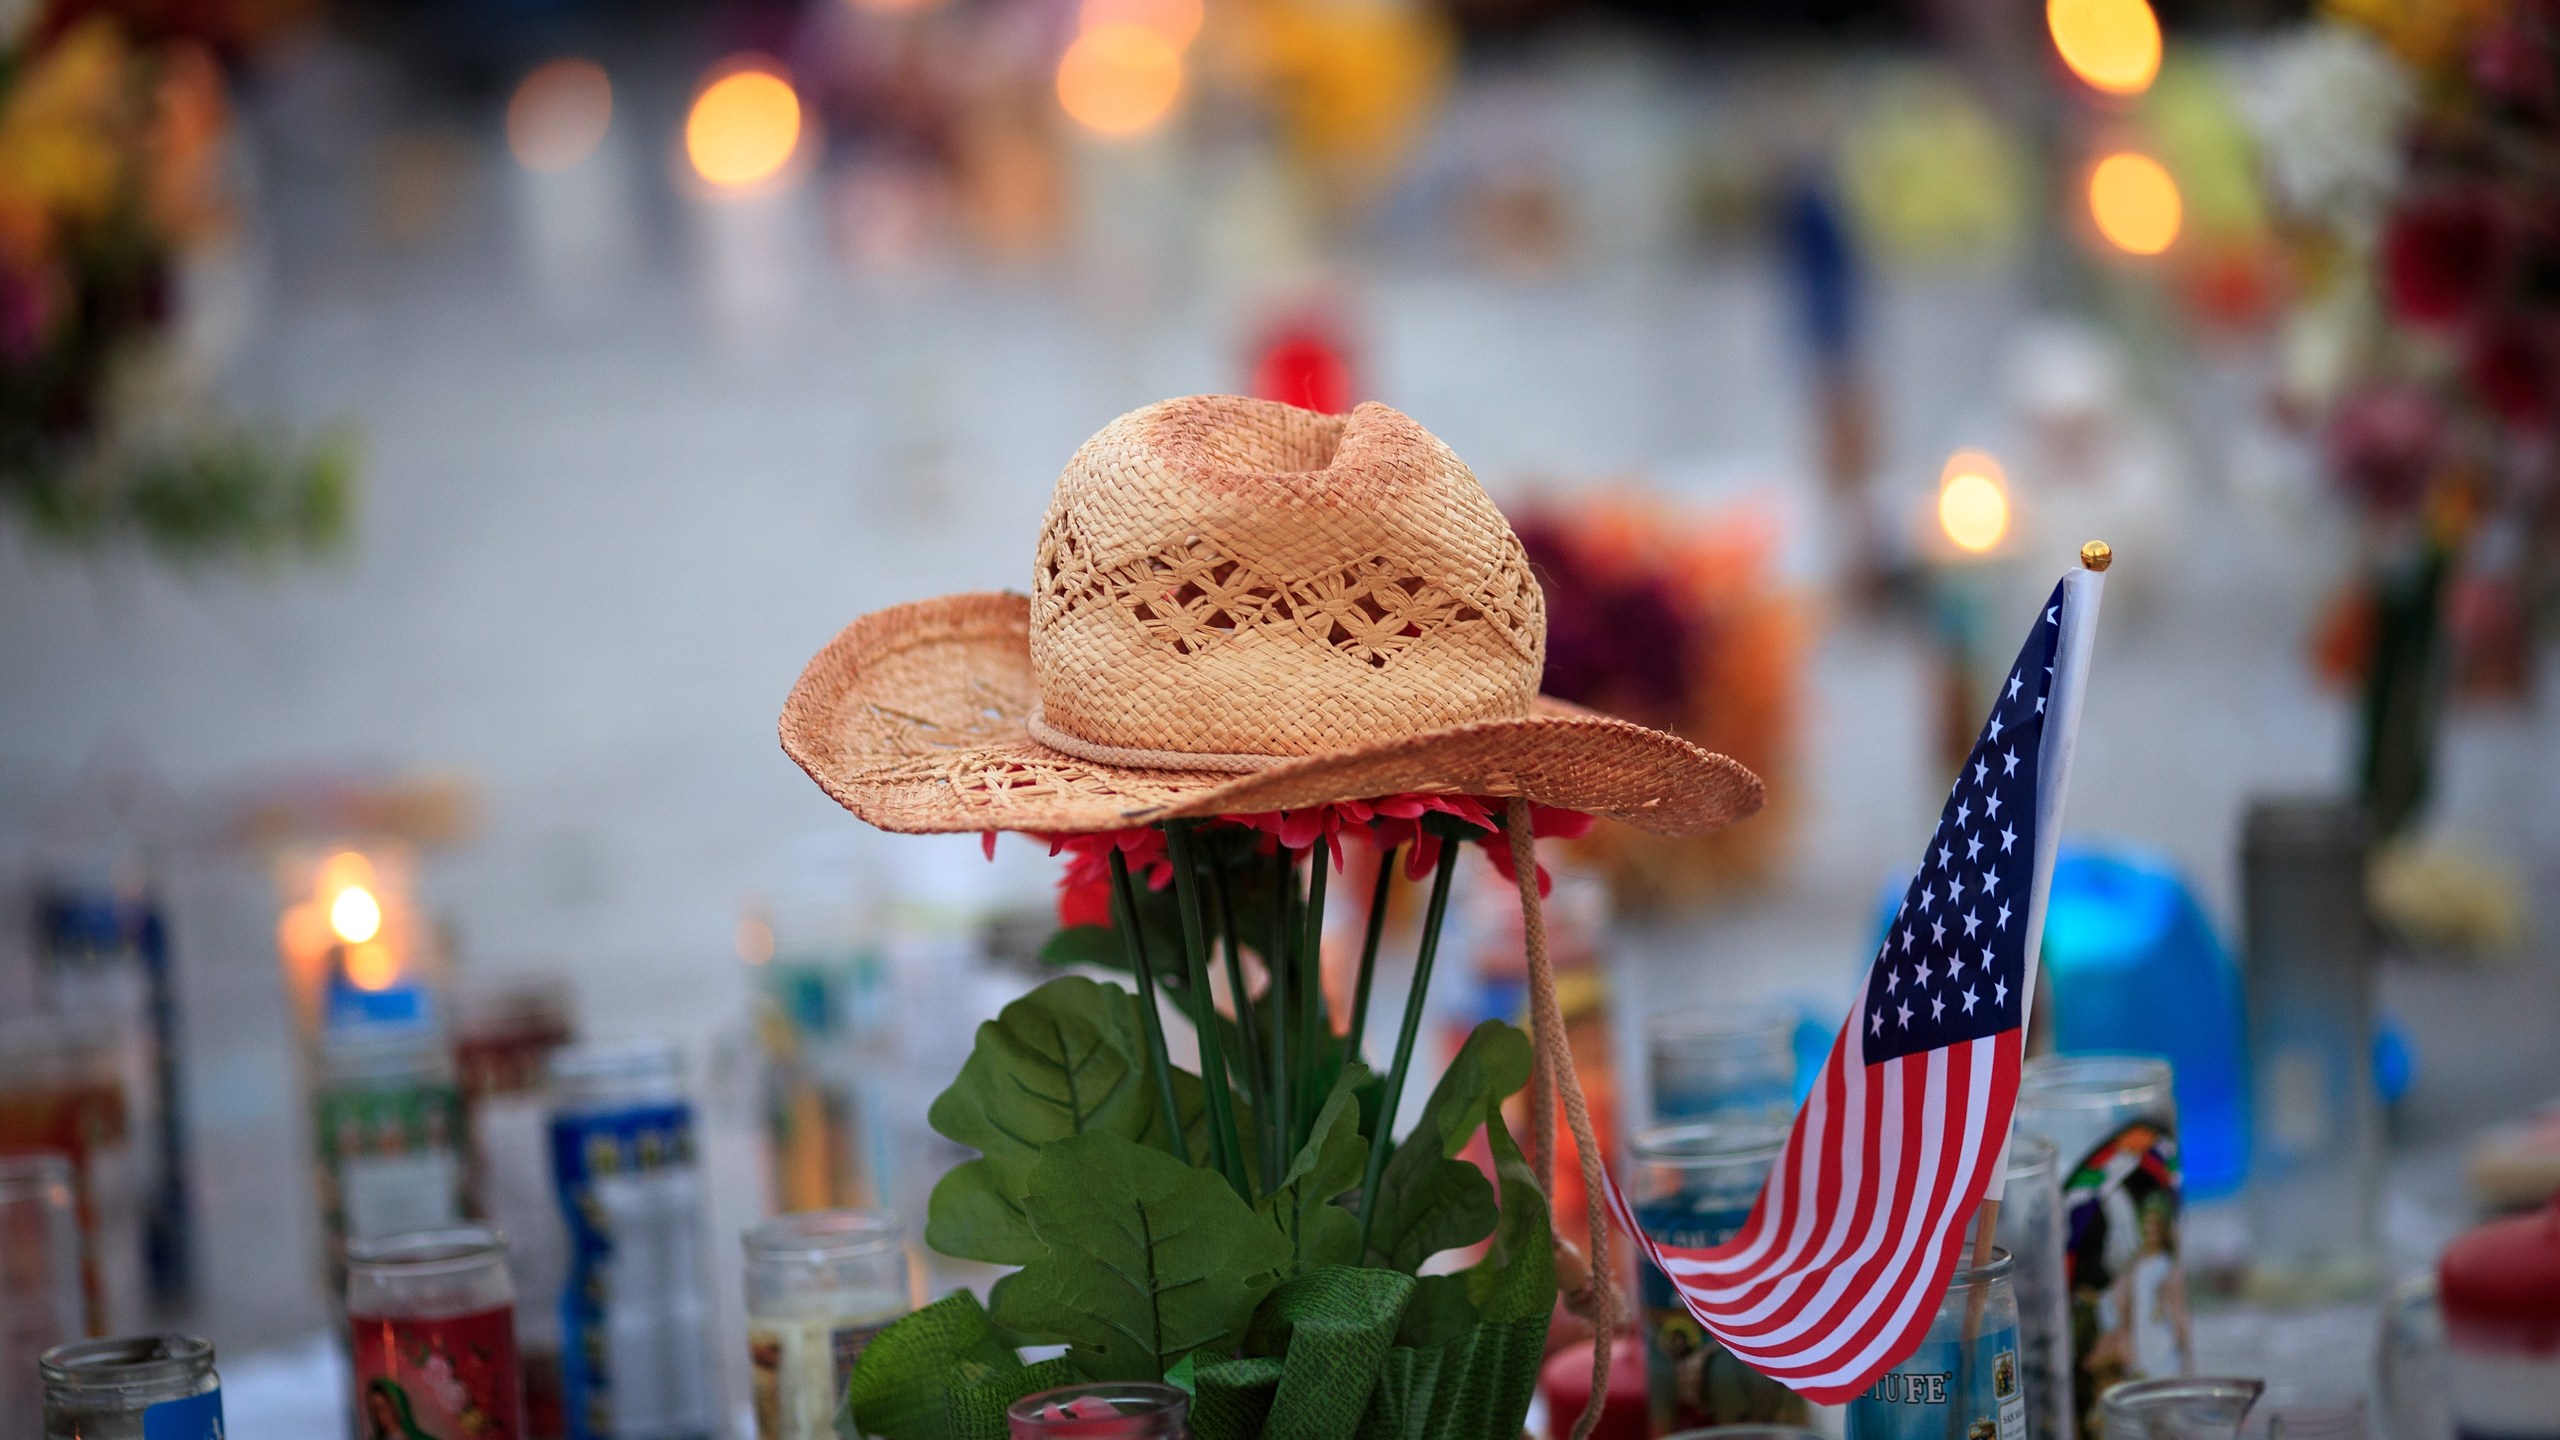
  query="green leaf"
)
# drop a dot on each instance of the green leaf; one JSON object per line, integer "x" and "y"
{"x": 1148, "y": 1259}
{"x": 975, "y": 1409}
{"x": 1516, "y": 1277}
{"x": 975, "y": 1214}
{"x": 1428, "y": 1200}
{"x": 1327, "y": 1167}
{"x": 1333, "y": 1326}
{"x": 1065, "y": 1059}
{"x": 896, "y": 1389}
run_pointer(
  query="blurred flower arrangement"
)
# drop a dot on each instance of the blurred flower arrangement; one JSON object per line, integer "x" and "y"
{"x": 2415, "y": 162}
{"x": 112, "y": 143}
{"x": 1676, "y": 621}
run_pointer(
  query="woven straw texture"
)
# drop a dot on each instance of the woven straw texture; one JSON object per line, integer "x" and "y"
{"x": 1237, "y": 606}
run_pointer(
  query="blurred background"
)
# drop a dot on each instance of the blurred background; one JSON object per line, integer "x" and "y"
{"x": 434, "y": 436}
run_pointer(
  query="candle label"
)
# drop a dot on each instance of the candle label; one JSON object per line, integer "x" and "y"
{"x": 2128, "y": 1286}
{"x": 1939, "y": 1393}
{"x": 637, "y": 1356}
{"x": 198, "y": 1417}
{"x": 1691, "y": 1380}
{"x": 800, "y": 1371}
{"x": 451, "y": 1376}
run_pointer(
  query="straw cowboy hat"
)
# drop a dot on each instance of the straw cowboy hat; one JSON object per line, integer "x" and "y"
{"x": 1237, "y": 606}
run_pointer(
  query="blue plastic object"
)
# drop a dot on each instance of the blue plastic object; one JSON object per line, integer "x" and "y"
{"x": 2133, "y": 965}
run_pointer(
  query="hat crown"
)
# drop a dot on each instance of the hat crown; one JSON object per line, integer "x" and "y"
{"x": 1226, "y": 577}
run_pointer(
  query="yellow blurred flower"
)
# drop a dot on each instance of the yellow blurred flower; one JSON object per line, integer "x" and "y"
{"x": 2429, "y": 34}
{"x": 1931, "y": 175}
{"x": 1352, "y": 81}
{"x": 65, "y": 128}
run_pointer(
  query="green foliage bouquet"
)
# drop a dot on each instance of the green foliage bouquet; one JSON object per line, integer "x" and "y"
{"x": 1252, "y": 1236}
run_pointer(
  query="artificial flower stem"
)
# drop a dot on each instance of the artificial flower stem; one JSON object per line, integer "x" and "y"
{"x": 1124, "y": 898}
{"x": 1393, "y": 1095}
{"x": 1256, "y": 1083}
{"x": 1369, "y": 955}
{"x": 1223, "y": 1142}
{"x": 1283, "y": 1127}
{"x": 1311, "y": 992}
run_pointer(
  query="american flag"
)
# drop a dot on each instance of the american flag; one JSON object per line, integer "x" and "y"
{"x": 1835, "y": 1277}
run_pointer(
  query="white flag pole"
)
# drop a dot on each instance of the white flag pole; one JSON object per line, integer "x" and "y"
{"x": 2081, "y": 591}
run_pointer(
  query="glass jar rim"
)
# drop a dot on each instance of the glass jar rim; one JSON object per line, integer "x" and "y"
{"x": 25, "y": 1173}
{"x": 637, "y": 1058}
{"x": 1995, "y": 1268}
{"x": 422, "y": 1253}
{"x": 1707, "y": 1142}
{"x": 826, "y": 1234}
{"x": 2094, "y": 1081}
{"x": 1750, "y": 1020}
{"x": 2031, "y": 1154}
{"x": 124, "y": 1361}
{"x": 1129, "y": 1400}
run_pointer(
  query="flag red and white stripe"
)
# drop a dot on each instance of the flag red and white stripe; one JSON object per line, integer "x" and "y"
{"x": 1838, "y": 1272}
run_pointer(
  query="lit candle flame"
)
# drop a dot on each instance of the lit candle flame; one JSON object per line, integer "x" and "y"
{"x": 355, "y": 915}
{"x": 1119, "y": 78}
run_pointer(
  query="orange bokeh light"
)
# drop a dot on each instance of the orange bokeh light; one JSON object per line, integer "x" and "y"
{"x": 1119, "y": 78}
{"x": 1973, "y": 500}
{"x": 1178, "y": 21}
{"x": 2135, "y": 203}
{"x": 371, "y": 966}
{"x": 744, "y": 126}
{"x": 2112, "y": 45}
{"x": 559, "y": 115}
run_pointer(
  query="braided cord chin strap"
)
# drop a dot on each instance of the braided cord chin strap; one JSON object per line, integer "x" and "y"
{"x": 1553, "y": 1066}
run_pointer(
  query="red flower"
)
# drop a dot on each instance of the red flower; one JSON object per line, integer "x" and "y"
{"x": 2383, "y": 443}
{"x": 2444, "y": 256}
{"x": 2509, "y": 366}
{"x": 1084, "y": 887}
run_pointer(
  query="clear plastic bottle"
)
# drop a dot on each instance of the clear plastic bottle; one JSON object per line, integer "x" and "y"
{"x": 132, "y": 1387}
{"x": 431, "y": 1317}
{"x": 820, "y": 1285}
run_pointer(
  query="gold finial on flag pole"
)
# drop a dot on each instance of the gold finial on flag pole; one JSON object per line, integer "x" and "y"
{"x": 2097, "y": 555}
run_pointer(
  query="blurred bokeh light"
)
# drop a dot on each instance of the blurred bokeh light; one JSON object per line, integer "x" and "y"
{"x": 1119, "y": 78}
{"x": 744, "y": 126}
{"x": 2134, "y": 203}
{"x": 559, "y": 114}
{"x": 2112, "y": 45}
{"x": 1178, "y": 21}
{"x": 1973, "y": 501}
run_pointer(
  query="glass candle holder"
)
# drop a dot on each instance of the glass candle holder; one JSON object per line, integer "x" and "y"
{"x": 637, "y": 1308}
{"x": 388, "y": 1124}
{"x": 1722, "y": 1062}
{"x": 2184, "y": 1408}
{"x": 2033, "y": 1231}
{"x": 505, "y": 1033}
{"x": 820, "y": 1285}
{"x": 62, "y": 1091}
{"x": 2315, "y": 1182}
{"x": 432, "y": 1317}
{"x": 2113, "y": 1120}
{"x": 1124, "y": 1410}
{"x": 40, "y": 1301}
{"x": 1967, "y": 1380}
{"x": 132, "y": 1387}
{"x": 1694, "y": 1185}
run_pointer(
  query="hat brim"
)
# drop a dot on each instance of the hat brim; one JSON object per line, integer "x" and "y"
{"x": 915, "y": 719}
